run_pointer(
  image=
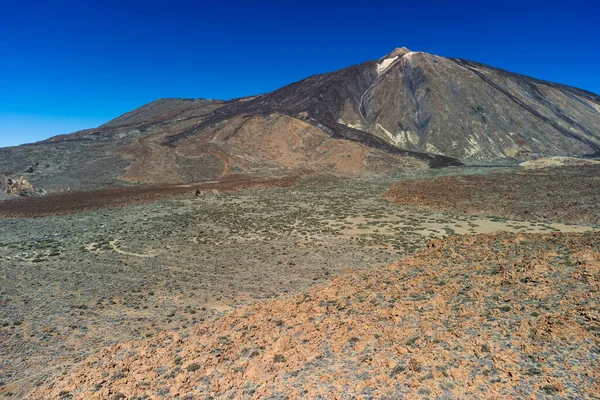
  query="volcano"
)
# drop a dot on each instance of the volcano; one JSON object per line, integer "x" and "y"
{"x": 408, "y": 110}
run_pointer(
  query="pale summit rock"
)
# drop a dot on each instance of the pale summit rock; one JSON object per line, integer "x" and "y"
{"x": 397, "y": 52}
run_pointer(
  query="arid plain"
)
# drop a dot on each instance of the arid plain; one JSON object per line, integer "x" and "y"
{"x": 73, "y": 284}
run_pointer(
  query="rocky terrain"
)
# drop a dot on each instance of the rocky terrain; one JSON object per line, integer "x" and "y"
{"x": 567, "y": 194}
{"x": 426, "y": 103}
{"x": 404, "y": 112}
{"x": 365, "y": 233}
{"x": 73, "y": 284}
{"x": 258, "y": 146}
{"x": 547, "y": 162}
{"x": 490, "y": 316}
{"x": 11, "y": 187}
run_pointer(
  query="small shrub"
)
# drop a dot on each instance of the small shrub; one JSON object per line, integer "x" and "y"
{"x": 278, "y": 358}
{"x": 397, "y": 369}
{"x": 193, "y": 367}
{"x": 531, "y": 371}
{"x": 411, "y": 341}
{"x": 549, "y": 390}
{"x": 353, "y": 340}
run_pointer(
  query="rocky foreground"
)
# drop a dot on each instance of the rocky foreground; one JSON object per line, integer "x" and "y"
{"x": 487, "y": 316}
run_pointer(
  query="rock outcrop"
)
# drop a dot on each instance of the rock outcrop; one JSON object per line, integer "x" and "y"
{"x": 17, "y": 186}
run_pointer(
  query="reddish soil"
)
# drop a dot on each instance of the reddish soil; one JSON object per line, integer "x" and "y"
{"x": 77, "y": 202}
{"x": 489, "y": 316}
{"x": 566, "y": 194}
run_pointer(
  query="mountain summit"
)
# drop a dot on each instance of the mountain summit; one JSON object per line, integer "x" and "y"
{"x": 398, "y": 52}
{"x": 463, "y": 109}
{"x": 406, "y": 110}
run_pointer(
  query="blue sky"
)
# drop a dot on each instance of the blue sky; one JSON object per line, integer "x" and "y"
{"x": 69, "y": 65}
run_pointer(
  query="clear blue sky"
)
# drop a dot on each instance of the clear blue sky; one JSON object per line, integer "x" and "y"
{"x": 71, "y": 65}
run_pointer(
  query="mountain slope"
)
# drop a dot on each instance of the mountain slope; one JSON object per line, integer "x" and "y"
{"x": 407, "y": 110}
{"x": 426, "y": 103}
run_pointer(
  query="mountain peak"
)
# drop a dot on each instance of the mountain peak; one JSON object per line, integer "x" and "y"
{"x": 397, "y": 52}
{"x": 385, "y": 62}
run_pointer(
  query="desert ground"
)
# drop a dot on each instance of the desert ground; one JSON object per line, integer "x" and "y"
{"x": 201, "y": 293}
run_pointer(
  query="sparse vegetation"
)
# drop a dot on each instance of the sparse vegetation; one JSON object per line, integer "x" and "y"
{"x": 169, "y": 266}
{"x": 193, "y": 367}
